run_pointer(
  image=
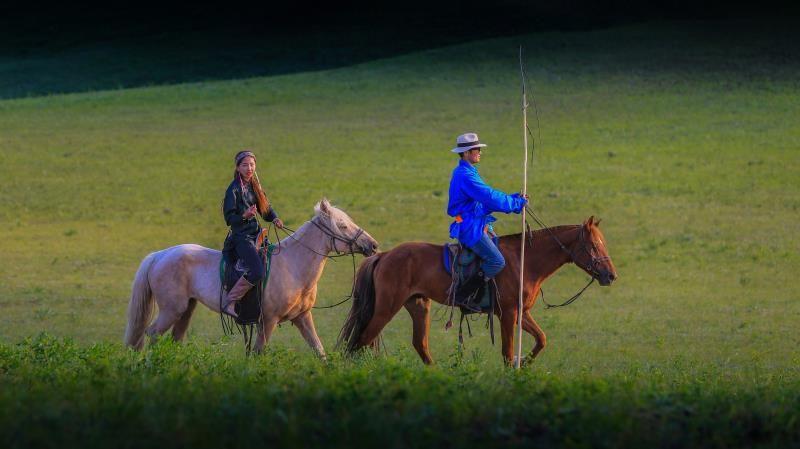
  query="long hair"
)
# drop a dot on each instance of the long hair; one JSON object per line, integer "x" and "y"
{"x": 261, "y": 198}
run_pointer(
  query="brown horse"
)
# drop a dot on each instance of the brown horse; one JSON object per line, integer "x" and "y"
{"x": 412, "y": 274}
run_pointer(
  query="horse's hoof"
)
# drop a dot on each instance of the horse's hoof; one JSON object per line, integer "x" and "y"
{"x": 523, "y": 362}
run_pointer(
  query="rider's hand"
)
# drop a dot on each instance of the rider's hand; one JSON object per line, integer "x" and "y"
{"x": 250, "y": 212}
{"x": 278, "y": 223}
{"x": 524, "y": 197}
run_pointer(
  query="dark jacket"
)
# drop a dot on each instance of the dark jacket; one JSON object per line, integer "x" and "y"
{"x": 233, "y": 208}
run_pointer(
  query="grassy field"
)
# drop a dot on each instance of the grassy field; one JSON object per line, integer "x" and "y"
{"x": 208, "y": 396}
{"x": 683, "y": 137}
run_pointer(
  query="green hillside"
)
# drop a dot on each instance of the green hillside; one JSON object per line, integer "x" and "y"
{"x": 682, "y": 137}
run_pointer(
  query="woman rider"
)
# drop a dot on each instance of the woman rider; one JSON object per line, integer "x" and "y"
{"x": 245, "y": 199}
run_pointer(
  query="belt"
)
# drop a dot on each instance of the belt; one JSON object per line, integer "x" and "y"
{"x": 460, "y": 220}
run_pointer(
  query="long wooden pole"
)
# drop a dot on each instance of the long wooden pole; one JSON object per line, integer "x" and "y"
{"x": 518, "y": 360}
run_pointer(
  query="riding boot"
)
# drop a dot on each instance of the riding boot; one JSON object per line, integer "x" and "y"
{"x": 471, "y": 291}
{"x": 236, "y": 293}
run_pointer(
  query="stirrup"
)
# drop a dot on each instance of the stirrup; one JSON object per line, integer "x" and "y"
{"x": 469, "y": 306}
{"x": 470, "y": 286}
{"x": 473, "y": 304}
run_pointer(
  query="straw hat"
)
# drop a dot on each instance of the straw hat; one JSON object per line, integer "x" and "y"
{"x": 466, "y": 142}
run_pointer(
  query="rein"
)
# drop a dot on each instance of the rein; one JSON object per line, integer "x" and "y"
{"x": 590, "y": 267}
{"x": 334, "y": 237}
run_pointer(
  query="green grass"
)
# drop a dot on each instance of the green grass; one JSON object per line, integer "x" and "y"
{"x": 683, "y": 137}
{"x": 59, "y": 393}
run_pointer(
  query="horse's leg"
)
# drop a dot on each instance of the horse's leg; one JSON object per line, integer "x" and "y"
{"x": 532, "y": 327}
{"x": 419, "y": 309}
{"x": 508, "y": 322}
{"x": 166, "y": 318}
{"x": 264, "y": 332}
{"x": 305, "y": 324}
{"x": 180, "y": 326}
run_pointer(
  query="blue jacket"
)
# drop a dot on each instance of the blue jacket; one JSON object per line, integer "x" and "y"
{"x": 474, "y": 201}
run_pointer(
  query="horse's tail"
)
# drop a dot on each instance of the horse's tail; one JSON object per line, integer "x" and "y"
{"x": 141, "y": 305}
{"x": 363, "y": 307}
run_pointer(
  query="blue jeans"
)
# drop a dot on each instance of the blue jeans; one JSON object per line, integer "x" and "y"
{"x": 493, "y": 260}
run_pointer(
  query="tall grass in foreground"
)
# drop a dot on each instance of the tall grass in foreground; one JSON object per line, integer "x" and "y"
{"x": 57, "y": 393}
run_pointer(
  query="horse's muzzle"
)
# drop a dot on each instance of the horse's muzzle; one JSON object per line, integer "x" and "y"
{"x": 369, "y": 248}
{"x": 606, "y": 278}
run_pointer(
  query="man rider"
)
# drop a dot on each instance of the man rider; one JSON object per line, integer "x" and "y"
{"x": 471, "y": 202}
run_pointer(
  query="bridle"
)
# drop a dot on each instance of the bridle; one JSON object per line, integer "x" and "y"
{"x": 591, "y": 265}
{"x": 594, "y": 261}
{"x": 334, "y": 236}
{"x": 330, "y": 233}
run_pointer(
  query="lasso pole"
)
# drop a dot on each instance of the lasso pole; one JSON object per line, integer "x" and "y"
{"x": 518, "y": 359}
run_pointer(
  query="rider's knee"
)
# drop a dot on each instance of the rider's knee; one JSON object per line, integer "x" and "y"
{"x": 253, "y": 278}
{"x": 494, "y": 266}
{"x": 498, "y": 264}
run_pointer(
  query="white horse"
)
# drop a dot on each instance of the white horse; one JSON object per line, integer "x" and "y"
{"x": 180, "y": 276}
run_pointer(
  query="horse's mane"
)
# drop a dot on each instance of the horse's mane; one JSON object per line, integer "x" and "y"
{"x": 540, "y": 234}
{"x": 333, "y": 212}
{"x": 300, "y": 232}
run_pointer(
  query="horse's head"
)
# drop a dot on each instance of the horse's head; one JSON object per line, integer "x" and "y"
{"x": 347, "y": 236}
{"x": 590, "y": 253}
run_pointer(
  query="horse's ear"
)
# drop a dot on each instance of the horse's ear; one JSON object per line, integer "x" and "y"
{"x": 597, "y": 223}
{"x": 325, "y": 206}
{"x": 590, "y": 221}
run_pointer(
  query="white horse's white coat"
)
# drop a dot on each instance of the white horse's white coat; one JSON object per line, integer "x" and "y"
{"x": 180, "y": 276}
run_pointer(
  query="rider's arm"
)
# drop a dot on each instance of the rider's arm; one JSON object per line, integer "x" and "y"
{"x": 492, "y": 200}
{"x": 229, "y": 210}
{"x": 270, "y": 215}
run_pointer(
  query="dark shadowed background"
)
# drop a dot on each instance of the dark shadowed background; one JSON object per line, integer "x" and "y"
{"x": 79, "y": 48}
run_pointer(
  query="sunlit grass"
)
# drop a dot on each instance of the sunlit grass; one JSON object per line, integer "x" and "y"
{"x": 686, "y": 147}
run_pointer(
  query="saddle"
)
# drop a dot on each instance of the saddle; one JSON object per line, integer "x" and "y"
{"x": 461, "y": 263}
{"x": 248, "y": 308}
